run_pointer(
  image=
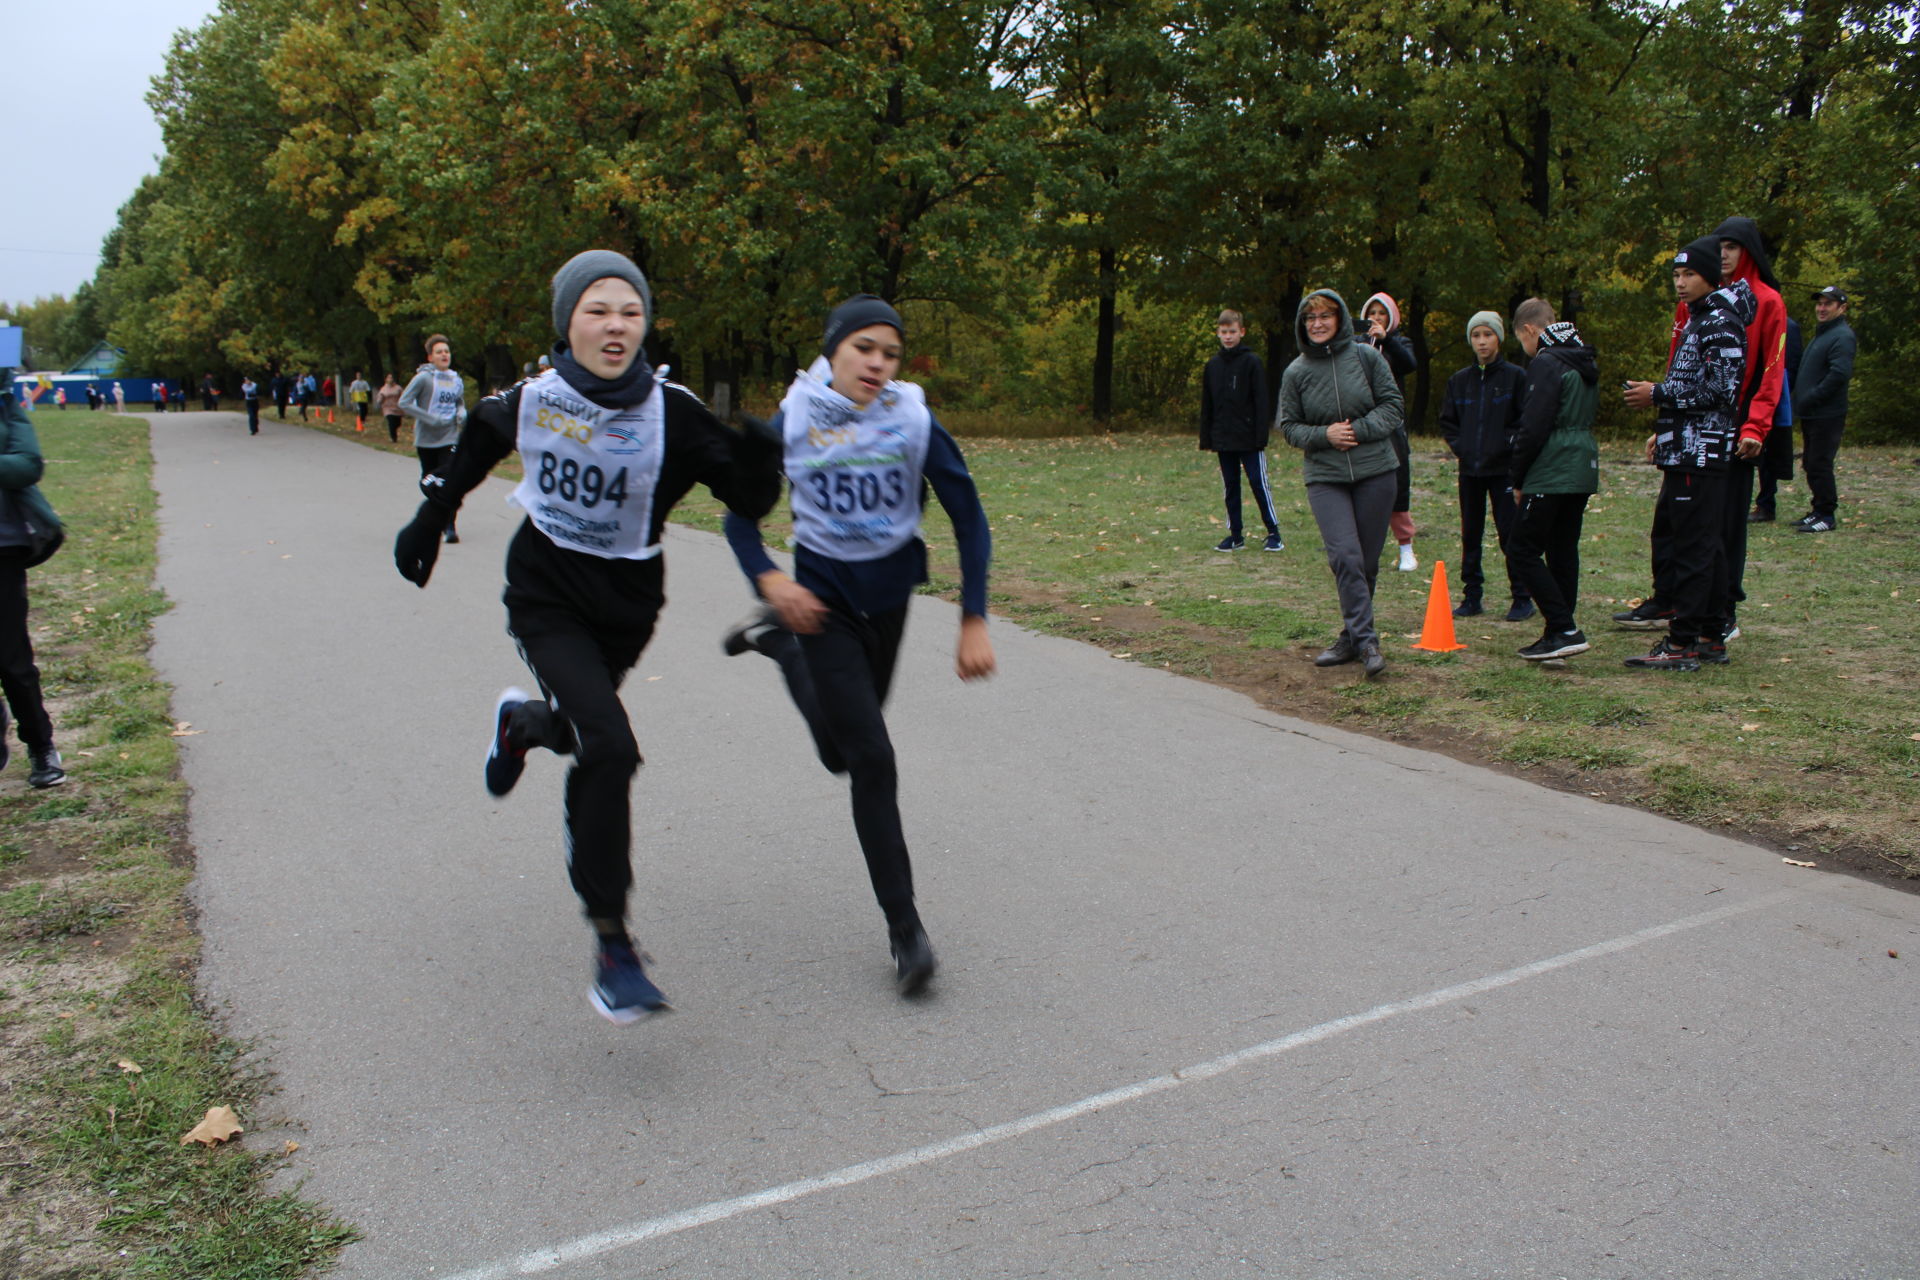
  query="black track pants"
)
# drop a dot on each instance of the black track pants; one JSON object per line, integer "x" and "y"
{"x": 839, "y": 680}
{"x": 1543, "y": 553}
{"x": 580, "y": 670}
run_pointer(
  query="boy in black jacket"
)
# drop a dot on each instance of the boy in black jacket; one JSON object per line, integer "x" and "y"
{"x": 1477, "y": 417}
{"x": 1692, "y": 443}
{"x": 1236, "y": 416}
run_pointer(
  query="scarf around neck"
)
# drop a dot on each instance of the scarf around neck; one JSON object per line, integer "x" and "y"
{"x": 624, "y": 392}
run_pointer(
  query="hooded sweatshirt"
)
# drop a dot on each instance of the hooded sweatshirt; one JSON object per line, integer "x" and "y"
{"x": 1766, "y": 337}
{"x": 1700, "y": 399}
{"x": 1553, "y": 447}
{"x": 436, "y": 400}
{"x": 1394, "y": 345}
{"x": 1236, "y": 415}
{"x": 1341, "y": 380}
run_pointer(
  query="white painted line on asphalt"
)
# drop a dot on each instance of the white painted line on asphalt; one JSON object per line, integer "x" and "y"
{"x": 537, "y": 1261}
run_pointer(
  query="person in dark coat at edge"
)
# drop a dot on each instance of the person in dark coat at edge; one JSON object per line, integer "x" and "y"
{"x": 1743, "y": 256}
{"x": 1236, "y": 418}
{"x": 1820, "y": 399}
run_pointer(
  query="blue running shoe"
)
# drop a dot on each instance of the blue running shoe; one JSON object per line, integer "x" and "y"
{"x": 504, "y": 764}
{"x": 621, "y": 990}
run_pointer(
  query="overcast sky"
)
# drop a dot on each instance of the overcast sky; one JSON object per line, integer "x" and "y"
{"x": 82, "y": 136}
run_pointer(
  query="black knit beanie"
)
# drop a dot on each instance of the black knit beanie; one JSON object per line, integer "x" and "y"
{"x": 581, "y": 270}
{"x": 855, "y": 314}
{"x": 1702, "y": 257}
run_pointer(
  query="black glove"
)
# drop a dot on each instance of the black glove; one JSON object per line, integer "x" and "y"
{"x": 760, "y": 433}
{"x": 418, "y": 546}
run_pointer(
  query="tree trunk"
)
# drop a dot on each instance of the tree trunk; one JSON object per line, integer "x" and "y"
{"x": 1103, "y": 341}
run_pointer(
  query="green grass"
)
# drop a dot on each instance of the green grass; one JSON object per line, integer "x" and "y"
{"x": 96, "y": 954}
{"x": 1106, "y": 538}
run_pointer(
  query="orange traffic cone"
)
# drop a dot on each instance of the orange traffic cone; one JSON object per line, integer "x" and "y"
{"x": 1436, "y": 636}
{"x": 329, "y": 416}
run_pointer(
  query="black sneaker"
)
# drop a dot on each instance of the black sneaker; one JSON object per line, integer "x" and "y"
{"x": 621, "y": 990}
{"x": 452, "y": 535}
{"x": 1713, "y": 651}
{"x": 1273, "y": 543}
{"x": 1818, "y": 524}
{"x": 1760, "y": 515}
{"x": 504, "y": 763}
{"x": 1232, "y": 542}
{"x": 1469, "y": 608}
{"x": 44, "y": 768}
{"x": 1667, "y": 656}
{"x": 1644, "y": 616}
{"x": 1371, "y": 659}
{"x": 1556, "y": 644}
{"x": 913, "y": 961}
{"x": 748, "y": 633}
{"x": 1521, "y": 611}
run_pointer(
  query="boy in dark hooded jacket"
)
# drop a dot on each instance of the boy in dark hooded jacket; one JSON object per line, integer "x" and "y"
{"x": 1236, "y": 417}
{"x": 1553, "y": 468}
{"x": 1699, "y": 408}
{"x": 1743, "y": 257}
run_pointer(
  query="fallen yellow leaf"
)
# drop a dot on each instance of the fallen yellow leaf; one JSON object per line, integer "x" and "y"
{"x": 1795, "y": 862}
{"x": 1748, "y": 728}
{"x": 129, "y": 1066}
{"x": 291, "y": 1147}
{"x": 219, "y": 1126}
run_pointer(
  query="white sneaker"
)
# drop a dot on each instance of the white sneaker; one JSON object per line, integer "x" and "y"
{"x": 1407, "y": 563}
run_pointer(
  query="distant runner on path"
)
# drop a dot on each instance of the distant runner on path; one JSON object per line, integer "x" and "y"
{"x": 607, "y": 451}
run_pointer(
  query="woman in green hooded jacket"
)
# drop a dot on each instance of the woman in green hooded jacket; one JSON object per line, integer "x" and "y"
{"x": 1339, "y": 406}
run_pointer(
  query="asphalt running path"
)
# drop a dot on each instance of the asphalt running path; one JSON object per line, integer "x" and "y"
{"x": 1222, "y": 993}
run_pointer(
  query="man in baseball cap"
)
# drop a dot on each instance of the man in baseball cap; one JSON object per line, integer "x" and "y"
{"x": 1820, "y": 402}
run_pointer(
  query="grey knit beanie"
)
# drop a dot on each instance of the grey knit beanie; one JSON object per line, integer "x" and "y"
{"x": 581, "y": 270}
{"x": 1489, "y": 319}
{"x": 856, "y": 313}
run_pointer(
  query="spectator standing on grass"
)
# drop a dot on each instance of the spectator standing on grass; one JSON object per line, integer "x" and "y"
{"x": 436, "y": 399}
{"x": 1236, "y": 417}
{"x": 606, "y": 448}
{"x": 250, "y": 396}
{"x": 1775, "y": 465}
{"x": 1820, "y": 399}
{"x": 1692, "y": 444}
{"x": 280, "y": 392}
{"x": 1553, "y": 467}
{"x": 1380, "y": 321}
{"x": 1340, "y": 407}
{"x": 119, "y": 398}
{"x": 209, "y": 394}
{"x": 1477, "y": 417}
{"x": 388, "y": 397}
{"x": 29, "y": 533}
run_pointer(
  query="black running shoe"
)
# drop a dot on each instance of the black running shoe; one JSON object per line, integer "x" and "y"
{"x": 1521, "y": 611}
{"x": 748, "y": 633}
{"x": 1469, "y": 608}
{"x": 1713, "y": 651}
{"x": 1645, "y": 616}
{"x": 504, "y": 763}
{"x": 1273, "y": 543}
{"x": 913, "y": 961}
{"x": 621, "y": 990}
{"x": 1232, "y": 542}
{"x": 44, "y": 768}
{"x": 1556, "y": 644}
{"x": 1818, "y": 524}
{"x": 1667, "y": 656}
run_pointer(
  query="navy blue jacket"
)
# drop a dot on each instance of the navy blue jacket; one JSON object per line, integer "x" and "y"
{"x": 1481, "y": 408}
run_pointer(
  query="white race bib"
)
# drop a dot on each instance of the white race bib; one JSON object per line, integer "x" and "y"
{"x": 449, "y": 395}
{"x": 590, "y": 472}
{"x": 855, "y": 472}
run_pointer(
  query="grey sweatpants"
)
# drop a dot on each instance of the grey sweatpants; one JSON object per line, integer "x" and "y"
{"x": 1353, "y": 523}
